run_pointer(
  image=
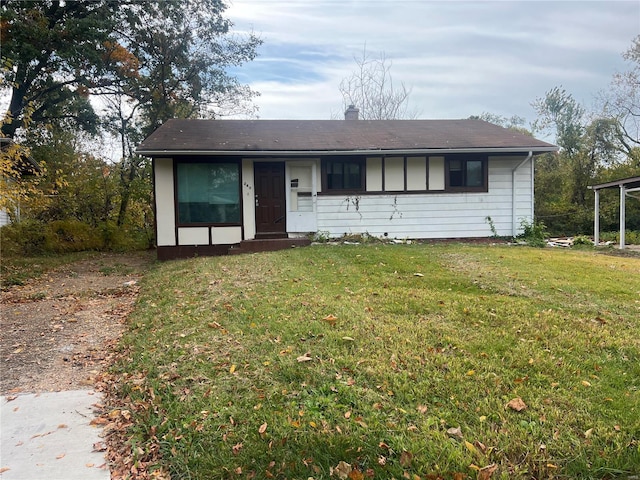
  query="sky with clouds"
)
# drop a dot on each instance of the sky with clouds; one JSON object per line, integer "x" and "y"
{"x": 460, "y": 58}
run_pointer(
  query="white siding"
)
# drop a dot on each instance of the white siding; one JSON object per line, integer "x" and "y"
{"x": 165, "y": 202}
{"x": 524, "y": 195}
{"x": 433, "y": 215}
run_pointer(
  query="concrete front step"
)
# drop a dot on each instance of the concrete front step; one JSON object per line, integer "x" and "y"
{"x": 268, "y": 245}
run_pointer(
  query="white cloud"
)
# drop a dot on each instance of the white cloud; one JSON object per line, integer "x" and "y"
{"x": 460, "y": 57}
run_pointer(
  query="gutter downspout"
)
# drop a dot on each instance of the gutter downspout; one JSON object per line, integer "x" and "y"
{"x": 514, "y": 227}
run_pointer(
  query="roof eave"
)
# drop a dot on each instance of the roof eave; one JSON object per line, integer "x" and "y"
{"x": 373, "y": 152}
{"x": 632, "y": 181}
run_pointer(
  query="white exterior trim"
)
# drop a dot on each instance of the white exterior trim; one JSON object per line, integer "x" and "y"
{"x": 165, "y": 203}
{"x": 248, "y": 199}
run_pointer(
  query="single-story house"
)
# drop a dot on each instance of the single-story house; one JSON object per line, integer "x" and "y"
{"x": 222, "y": 183}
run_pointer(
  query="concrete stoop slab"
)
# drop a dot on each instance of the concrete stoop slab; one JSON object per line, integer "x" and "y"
{"x": 50, "y": 436}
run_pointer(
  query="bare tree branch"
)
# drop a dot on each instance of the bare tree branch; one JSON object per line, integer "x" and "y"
{"x": 371, "y": 88}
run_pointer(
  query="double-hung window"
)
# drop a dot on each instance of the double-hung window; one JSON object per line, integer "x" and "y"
{"x": 208, "y": 193}
{"x": 466, "y": 174}
{"x": 343, "y": 174}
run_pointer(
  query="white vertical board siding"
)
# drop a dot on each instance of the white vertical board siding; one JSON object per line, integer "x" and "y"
{"x": 165, "y": 203}
{"x": 434, "y": 215}
{"x": 248, "y": 200}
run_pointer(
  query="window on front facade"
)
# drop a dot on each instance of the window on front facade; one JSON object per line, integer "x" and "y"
{"x": 466, "y": 174}
{"x": 343, "y": 174}
{"x": 208, "y": 193}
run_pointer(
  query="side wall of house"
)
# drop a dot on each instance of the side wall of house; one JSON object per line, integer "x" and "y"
{"x": 432, "y": 215}
{"x": 4, "y": 218}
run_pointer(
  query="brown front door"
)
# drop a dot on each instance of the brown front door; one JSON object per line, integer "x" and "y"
{"x": 271, "y": 220}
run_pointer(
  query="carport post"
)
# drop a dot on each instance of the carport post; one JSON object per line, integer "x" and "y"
{"x": 623, "y": 192}
{"x": 596, "y": 219}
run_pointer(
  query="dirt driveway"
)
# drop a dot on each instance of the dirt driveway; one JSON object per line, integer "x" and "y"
{"x": 56, "y": 332}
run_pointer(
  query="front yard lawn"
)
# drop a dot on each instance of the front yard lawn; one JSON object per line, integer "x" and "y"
{"x": 384, "y": 361}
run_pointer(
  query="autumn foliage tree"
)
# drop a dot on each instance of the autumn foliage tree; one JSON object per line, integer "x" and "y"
{"x": 114, "y": 68}
{"x": 51, "y": 56}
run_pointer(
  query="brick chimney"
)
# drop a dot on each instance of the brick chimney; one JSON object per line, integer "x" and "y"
{"x": 351, "y": 113}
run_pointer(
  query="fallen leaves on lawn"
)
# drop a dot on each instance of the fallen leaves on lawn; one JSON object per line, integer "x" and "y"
{"x": 455, "y": 432}
{"x": 117, "y": 419}
{"x": 342, "y": 470}
{"x": 517, "y": 404}
{"x": 406, "y": 458}
{"x": 330, "y": 319}
{"x": 304, "y": 358}
{"x": 356, "y": 475}
{"x": 471, "y": 447}
{"x": 485, "y": 473}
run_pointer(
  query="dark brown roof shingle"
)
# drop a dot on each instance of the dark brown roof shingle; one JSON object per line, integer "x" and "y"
{"x": 253, "y": 136}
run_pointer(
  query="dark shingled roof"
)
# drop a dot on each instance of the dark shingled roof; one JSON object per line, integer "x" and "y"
{"x": 306, "y": 136}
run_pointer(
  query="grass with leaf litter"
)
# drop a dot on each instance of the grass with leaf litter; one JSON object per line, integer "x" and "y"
{"x": 385, "y": 361}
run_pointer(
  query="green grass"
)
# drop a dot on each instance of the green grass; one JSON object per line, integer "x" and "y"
{"x": 210, "y": 368}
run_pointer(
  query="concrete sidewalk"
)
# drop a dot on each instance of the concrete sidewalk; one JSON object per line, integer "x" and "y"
{"x": 48, "y": 436}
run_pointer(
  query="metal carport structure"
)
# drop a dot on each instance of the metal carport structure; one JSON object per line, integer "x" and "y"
{"x": 626, "y": 186}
